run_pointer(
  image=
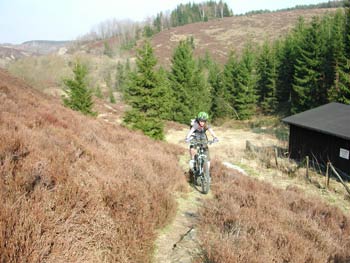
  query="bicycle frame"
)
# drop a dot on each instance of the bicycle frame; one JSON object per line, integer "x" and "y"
{"x": 200, "y": 158}
{"x": 201, "y": 164}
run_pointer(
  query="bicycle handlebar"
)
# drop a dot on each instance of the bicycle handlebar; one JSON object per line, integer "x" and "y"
{"x": 201, "y": 142}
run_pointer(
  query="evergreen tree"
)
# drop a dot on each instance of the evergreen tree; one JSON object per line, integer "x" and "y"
{"x": 285, "y": 73}
{"x": 150, "y": 126}
{"x": 227, "y": 91}
{"x": 148, "y": 31}
{"x": 340, "y": 91}
{"x": 347, "y": 28}
{"x": 330, "y": 28}
{"x": 287, "y": 57}
{"x": 192, "y": 12}
{"x": 226, "y": 11}
{"x": 145, "y": 94}
{"x": 238, "y": 84}
{"x": 200, "y": 92}
{"x": 244, "y": 83}
{"x": 308, "y": 88}
{"x": 187, "y": 82}
{"x": 157, "y": 23}
{"x": 122, "y": 74}
{"x": 266, "y": 83}
{"x": 79, "y": 96}
{"x": 164, "y": 91}
{"x": 220, "y": 106}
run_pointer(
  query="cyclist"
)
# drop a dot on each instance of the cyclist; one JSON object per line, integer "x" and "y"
{"x": 198, "y": 132}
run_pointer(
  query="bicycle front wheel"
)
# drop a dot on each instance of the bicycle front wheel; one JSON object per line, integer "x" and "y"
{"x": 205, "y": 178}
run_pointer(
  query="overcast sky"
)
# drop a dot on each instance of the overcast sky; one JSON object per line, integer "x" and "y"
{"x": 23, "y": 20}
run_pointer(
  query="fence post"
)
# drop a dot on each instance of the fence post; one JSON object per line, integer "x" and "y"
{"x": 327, "y": 175}
{"x": 340, "y": 179}
{"x": 307, "y": 167}
{"x": 276, "y": 157}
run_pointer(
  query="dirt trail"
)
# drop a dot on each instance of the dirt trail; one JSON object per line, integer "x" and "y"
{"x": 178, "y": 241}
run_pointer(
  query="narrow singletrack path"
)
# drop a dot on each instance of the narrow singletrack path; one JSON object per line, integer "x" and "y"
{"x": 178, "y": 242}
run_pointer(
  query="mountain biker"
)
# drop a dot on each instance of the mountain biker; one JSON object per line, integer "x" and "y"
{"x": 198, "y": 132}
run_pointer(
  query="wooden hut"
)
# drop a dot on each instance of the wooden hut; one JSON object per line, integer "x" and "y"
{"x": 323, "y": 134}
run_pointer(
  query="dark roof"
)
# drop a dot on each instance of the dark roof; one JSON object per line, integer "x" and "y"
{"x": 332, "y": 118}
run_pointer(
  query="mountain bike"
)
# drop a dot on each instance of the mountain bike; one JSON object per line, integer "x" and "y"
{"x": 201, "y": 173}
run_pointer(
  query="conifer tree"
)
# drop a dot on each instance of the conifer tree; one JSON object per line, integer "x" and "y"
{"x": 120, "y": 76}
{"x": 79, "y": 96}
{"x": 165, "y": 105}
{"x": 287, "y": 56}
{"x": 182, "y": 70}
{"x": 266, "y": 82}
{"x": 200, "y": 92}
{"x": 157, "y": 23}
{"x": 285, "y": 73}
{"x": 192, "y": 12}
{"x": 228, "y": 91}
{"x": 146, "y": 95}
{"x": 220, "y": 106}
{"x": 308, "y": 88}
{"x": 238, "y": 84}
{"x": 340, "y": 91}
{"x": 244, "y": 83}
{"x": 187, "y": 83}
{"x": 330, "y": 34}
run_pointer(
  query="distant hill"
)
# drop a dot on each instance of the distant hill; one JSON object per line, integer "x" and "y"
{"x": 39, "y": 47}
{"x": 9, "y": 54}
{"x": 43, "y": 46}
{"x": 219, "y": 37}
{"x": 12, "y": 52}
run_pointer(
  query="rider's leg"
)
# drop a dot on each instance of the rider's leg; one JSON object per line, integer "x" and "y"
{"x": 192, "y": 154}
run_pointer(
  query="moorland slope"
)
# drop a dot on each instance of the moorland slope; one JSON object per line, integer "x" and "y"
{"x": 75, "y": 188}
{"x": 219, "y": 37}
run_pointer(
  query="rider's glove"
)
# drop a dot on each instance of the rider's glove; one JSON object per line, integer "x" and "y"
{"x": 216, "y": 139}
{"x": 187, "y": 140}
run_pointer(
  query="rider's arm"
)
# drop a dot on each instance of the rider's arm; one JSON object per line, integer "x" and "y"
{"x": 190, "y": 133}
{"x": 212, "y": 132}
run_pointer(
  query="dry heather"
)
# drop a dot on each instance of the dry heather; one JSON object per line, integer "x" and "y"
{"x": 220, "y": 37}
{"x": 251, "y": 221}
{"x": 78, "y": 189}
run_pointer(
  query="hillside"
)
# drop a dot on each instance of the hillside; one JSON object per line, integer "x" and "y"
{"x": 45, "y": 47}
{"x": 219, "y": 37}
{"x": 267, "y": 214}
{"x": 78, "y": 189}
{"x": 9, "y": 54}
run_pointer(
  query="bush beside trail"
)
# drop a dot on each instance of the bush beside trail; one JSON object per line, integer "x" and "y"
{"x": 78, "y": 189}
{"x": 251, "y": 221}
